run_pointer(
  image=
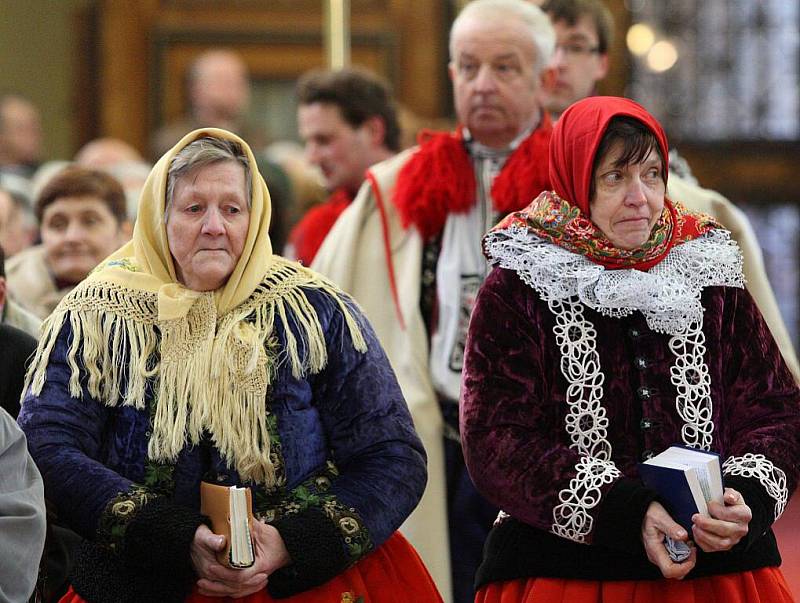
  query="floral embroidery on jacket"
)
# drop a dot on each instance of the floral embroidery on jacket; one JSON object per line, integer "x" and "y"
{"x": 314, "y": 493}
{"x": 119, "y": 513}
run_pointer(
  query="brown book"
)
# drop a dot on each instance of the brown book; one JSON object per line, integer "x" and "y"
{"x": 231, "y": 512}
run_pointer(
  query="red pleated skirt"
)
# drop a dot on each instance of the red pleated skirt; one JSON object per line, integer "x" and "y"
{"x": 393, "y": 573}
{"x": 766, "y": 585}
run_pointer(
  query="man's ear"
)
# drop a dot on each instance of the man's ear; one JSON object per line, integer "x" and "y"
{"x": 375, "y": 128}
{"x": 2, "y": 292}
{"x": 547, "y": 79}
{"x": 602, "y": 69}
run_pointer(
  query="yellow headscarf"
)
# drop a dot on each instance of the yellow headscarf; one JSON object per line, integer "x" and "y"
{"x": 216, "y": 351}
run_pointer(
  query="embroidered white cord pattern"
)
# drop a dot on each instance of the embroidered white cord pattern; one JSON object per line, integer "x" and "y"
{"x": 586, "y": 422}
{"x": 571, "y": 518}
{"x": 669, "y": 297}
{"x": 668, "y": 294}
{"x": 580, "y": 364}
{"x": 771, "y": 477}
{"x": 690, "y": 377}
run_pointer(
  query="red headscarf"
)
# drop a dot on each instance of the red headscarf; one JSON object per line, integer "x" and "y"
{"x": 563, "y": 216}
{"x": 576, "y": 137}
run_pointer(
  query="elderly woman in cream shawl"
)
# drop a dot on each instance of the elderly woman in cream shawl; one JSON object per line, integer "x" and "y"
{"x": 193, "y": 353}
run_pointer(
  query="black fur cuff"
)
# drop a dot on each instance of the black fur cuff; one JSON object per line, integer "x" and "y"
{"x": 153, "y": 562}
{"x": 317, "y": 550}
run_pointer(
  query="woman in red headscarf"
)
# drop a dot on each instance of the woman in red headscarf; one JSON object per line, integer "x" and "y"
{"x": 614, "y": 326}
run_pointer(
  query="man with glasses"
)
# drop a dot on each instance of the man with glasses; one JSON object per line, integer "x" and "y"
{"x": 584, "y": 30}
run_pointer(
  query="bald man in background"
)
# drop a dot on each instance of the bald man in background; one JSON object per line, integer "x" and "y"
{"x": 218, "y": 94}
{"x": 20, "y": 136}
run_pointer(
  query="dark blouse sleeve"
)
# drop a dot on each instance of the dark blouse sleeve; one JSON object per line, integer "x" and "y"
{"x": 762, "y": 414}
{"x": 122, "y": 519}
{"x": 379, "y": 461}
{"x": 15, "y": 348}
{"x": 515, "y": 444}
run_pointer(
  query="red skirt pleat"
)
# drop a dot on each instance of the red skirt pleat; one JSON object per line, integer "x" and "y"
{"x": 393, "y": 573}
{"x": 766, "y": 585}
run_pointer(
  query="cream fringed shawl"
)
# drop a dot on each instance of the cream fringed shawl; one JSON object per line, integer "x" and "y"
{"x": 211, "y": 356}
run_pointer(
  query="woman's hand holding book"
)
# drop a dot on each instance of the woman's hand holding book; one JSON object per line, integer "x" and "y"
{"x": 728, "y": 524}
{"x": 216, "y": 580}
{"x": 656, "y": 526}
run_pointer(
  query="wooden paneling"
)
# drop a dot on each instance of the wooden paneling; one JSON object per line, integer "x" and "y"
{"x": 746, "y": 172}
{"x": 145, "y": 47}
{"x": 619, "y": 65}
{"x": 124, "y": 56}
{"x": 268, "y": 55}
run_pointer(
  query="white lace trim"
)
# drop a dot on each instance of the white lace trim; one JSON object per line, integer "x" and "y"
{"x": 690, "y": 377}
{"x": 571, "y": 518}
{"x": 769, "y": 476}
{"x": 586, "y": 422}
{"x": 668, "y": 294}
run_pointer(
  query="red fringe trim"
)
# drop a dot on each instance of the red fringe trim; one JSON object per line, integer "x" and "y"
{"x": 308, "y": 234}
{"x": 436, "y": 180}
{"x": 439, "y": 179}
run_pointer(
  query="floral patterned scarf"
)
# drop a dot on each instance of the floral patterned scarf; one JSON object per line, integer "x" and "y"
{"x": 555, "y": 220}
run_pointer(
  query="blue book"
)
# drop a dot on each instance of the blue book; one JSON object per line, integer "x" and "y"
{"x": 686, "y": 481}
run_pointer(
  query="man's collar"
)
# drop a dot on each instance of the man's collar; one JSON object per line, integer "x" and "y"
{"x": 476, "y": 146}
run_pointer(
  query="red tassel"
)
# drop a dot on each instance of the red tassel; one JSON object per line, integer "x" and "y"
{"x": 308, "y": 234}
{"x": 439, "y": 179}
{"x": 436, "y": 180}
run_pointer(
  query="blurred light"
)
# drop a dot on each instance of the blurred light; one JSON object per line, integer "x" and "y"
{"x": 662, "y": 56}
{"x": 640, "y": 39}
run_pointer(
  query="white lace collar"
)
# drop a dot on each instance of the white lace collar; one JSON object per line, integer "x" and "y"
{"x": 668, "y": 294}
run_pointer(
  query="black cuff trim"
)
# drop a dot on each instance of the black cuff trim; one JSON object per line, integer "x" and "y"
{"x": 761, "y": 504}
{"x": 160, "y": 537}
{"x": 619, "y": 520}
{"x": 100, "y": 576}
{"x": 317, "y": 550}
{"x": 516, "y": 550}
{"x": 153, "y": 562}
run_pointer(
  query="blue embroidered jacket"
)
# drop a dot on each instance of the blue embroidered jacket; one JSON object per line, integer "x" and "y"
{"x": 351, "y": 468}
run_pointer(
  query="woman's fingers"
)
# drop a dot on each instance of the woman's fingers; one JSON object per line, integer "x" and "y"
{"x": 213, "y": 588}
{"x": 658, "y": 520}
{"x": 656, "y": 525}
{"x": 727, "y": 525}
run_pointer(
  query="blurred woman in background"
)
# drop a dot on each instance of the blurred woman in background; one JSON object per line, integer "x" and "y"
{"x": 82, "y": 217}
